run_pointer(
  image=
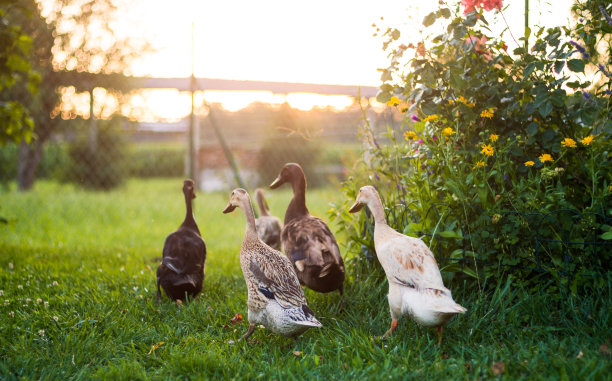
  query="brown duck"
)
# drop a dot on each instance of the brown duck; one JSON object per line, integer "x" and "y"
{"x": 306, "y": 240}
{"x": 181, "y": 272}
{"x": 268, "y": 226}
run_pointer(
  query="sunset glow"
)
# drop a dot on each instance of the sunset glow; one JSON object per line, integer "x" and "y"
{"x": 316, "y": 42}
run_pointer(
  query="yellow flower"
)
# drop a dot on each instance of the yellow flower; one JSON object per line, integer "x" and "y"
{"x": 487, "y": 149}
{"x": 479, "y": 164}
{"x": 448, "y": 131}
{"x": 529, "y": 163}
{"x": 568, "y": 142}
{"x": 587, "y": 140}
{"x": 462, "y": 99}
{"x": 545, "y": 157}
{"x": 450, "y": 101}
{"x": 471, "y": 104}
{"x": 394, "y": 101}
{"x": 610, "y": 188}
{"x": 493, "y": 137}
{"x": 488, "y": 113}
{"x": 410, "y": 135}
{"x": 431, "y": 118}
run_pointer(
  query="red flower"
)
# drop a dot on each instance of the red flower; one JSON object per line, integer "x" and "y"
{"x": 488, "y": 5}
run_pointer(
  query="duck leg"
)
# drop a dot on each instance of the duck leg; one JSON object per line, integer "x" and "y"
{"x": 393, "y": 327}
{"x": 440, "y": 334}
{"x": 249, "y": 332}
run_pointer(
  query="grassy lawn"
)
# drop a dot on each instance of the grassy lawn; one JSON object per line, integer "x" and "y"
{"x": 77, "y": 300}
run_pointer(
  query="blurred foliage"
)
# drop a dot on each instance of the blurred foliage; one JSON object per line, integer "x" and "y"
{"x": 15, "y": 71}
{"x": 53, "y": 164}
{"x": 86, "y": 55}
{"x": 102, "y": 167}
{"x": 278, "y": 150}
{"x": 156, "y": 161}
{"x": 494, "y": 144}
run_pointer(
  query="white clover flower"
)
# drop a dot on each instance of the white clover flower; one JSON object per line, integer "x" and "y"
{"x": 55, "y": 283}
{"x": 46, "y": 304}
{"x": 11, "y": 265}
{"x": 12, "y": 314}
{"x": 55, "y": 318}
{"x": 41, "y": 332}
{"x": 39, "y": 300}
{"x": 1, "y": 292}
{"x": 20, "y": 287}
{"x": 28, "y": 300}
{"x": 7, "y": 302}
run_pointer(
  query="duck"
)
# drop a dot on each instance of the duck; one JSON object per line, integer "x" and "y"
{"x": 416, "y": 288}
{"x": 307, "y": 240}
{"x": 181, "y": 271}
{"x": 268, "y": 226}
{"x": 275, "y": 298}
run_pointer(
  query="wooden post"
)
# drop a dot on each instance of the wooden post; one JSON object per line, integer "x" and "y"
{"x": 93, "y": 127}
{"x": 191, "y": 154}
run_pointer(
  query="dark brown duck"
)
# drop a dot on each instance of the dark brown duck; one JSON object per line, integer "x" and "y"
{"x": 181, "y": 272}
{"x": 307, "y": 240}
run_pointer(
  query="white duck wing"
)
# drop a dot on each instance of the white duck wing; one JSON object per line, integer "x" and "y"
{"x": 276, "y": 278}
{"x": 409, "y": 262}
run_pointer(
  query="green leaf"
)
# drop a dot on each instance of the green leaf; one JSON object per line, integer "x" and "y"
{"x": 576, "y": 65}
{"x": 606, "y": 235}
{"x": 450, "y": 234}
{"x": 532, "y": 128}
{"x": 430, "y": 19}
{"x": 444, "y": 12}
{"x": 545, "y": 109}
{"x": 456, "y": 268}
{"x": 428, "y": 75}
{"x": 383, "y": 97}
{"x": 559, "y": 66}
{"x": 528, "y": 69}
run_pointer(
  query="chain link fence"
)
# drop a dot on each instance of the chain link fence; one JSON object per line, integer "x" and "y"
{"x": 241, "y": 148}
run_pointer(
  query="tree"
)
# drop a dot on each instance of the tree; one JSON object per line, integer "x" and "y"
{"x": 75, "y": 38}
{"x": 15, "y": 70}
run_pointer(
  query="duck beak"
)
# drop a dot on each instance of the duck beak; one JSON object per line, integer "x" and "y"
{"x": 277, "y": 183}
{"x": 229, "y": 208}
{"x": 357, "y": 206}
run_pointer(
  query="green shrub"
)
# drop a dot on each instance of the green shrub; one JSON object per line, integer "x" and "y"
{"x": 493, "y": 146}
{"x": 278, "y": 150}
{"x": 103, "y": 166}
{"x": 156, "y": 161}
{"x": 52, "y": 165}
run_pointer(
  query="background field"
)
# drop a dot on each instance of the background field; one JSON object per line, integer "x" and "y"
{"x": 77, "y": 300}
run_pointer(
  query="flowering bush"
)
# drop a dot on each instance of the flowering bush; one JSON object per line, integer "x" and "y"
{"x": 491, "y": 137}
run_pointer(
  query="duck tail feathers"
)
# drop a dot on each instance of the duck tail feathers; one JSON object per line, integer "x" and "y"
{"x": 310, "y": 322}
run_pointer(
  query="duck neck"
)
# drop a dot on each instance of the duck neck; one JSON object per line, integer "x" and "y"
{"x": 262, "y": 205}
{"x": 376, "y": 208}
{"x": 297, "y": 206}
{"x": 251, "y": 229}
{"x": 189, "y": 219}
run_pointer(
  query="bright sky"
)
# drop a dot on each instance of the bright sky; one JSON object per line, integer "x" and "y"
{"x": 317, "y": 41}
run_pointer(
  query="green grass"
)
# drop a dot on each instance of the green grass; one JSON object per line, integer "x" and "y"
{"x": 80, "y": 266}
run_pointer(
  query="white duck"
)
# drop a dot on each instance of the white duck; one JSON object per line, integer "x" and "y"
{"x": 275, "y": 298}
{"x": 415, "y": 284}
